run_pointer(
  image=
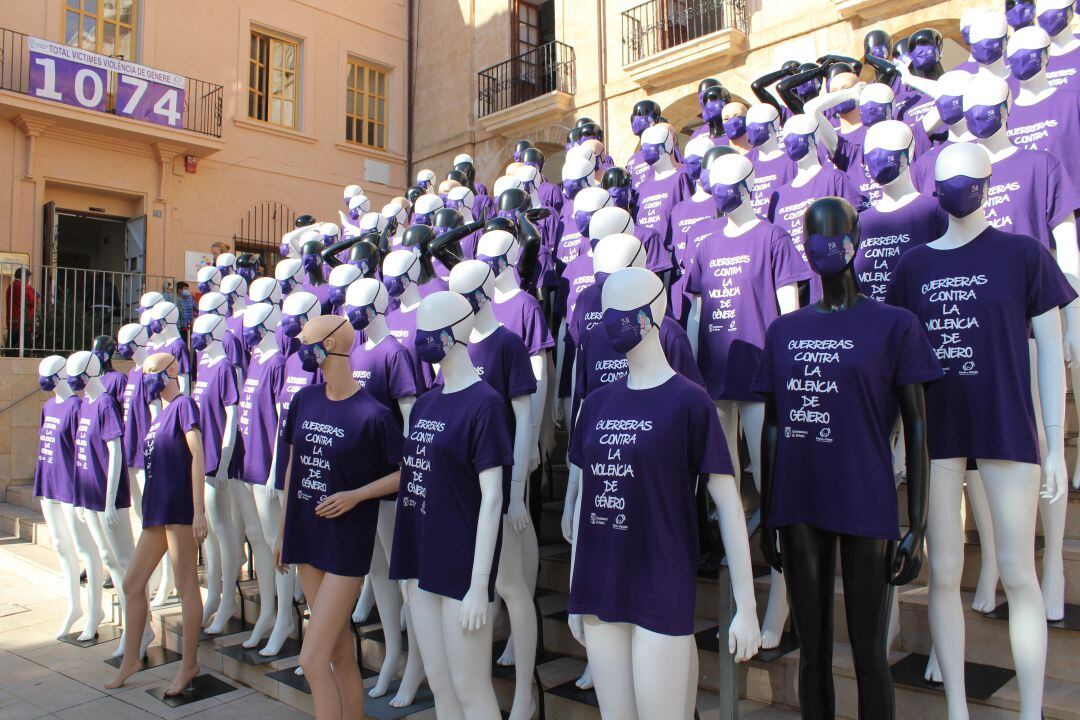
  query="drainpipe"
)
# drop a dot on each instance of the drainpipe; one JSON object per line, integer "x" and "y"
{"x": 411, "y": 69}
{"x": 601, "y": 8}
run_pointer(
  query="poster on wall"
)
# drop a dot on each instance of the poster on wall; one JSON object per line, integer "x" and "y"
{"x": 84, "y": 79}
{"x": 193, "y": 261}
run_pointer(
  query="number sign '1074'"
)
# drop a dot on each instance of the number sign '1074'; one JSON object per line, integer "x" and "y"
{"x": 81, "y": 78}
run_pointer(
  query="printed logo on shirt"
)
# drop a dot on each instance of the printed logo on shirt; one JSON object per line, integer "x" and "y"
{"x": 968, "y": 368}
{"x": 824, "y": 434}
{"x": 953, "y": 295}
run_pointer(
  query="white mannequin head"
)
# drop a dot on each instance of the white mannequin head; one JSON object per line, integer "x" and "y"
{"x": 329, "y": 233}
{"x": 694, "y": 156}
{"x": 372, "y": 221}
{"x": 1054, "y": 15}
{"x": 528, "y": 175}
{"x": 577, "y": 173}
{"x": 262, "y": 315}
{"x": 265, "y": 289}
{"x": 586, "y": 204}
{"x": 213, "y": 303}
{"x": 289, "y": 274}
{"x": 876, "y": 103}
{"x": 499, "y": 249}
{"x": 341, "y": 278}
{"x": 81, "y": 368}
{"x": 988, "y": 33}
{"x": 163, "y": 315}
{"x": 403, "y": 265}
{"x": 425, "y": 178}
{"x": 52, "y": 372}
{"x": 730, "y": 176}
{"x": 446, "y": 186}
{"x": 296, "y": 310}
{"x": 986, "y": 105}
{"x": 149, "y": 300}
{"x": 234, "y": 287}
{"x": 425, "y": 208}
{"x": 967, "y": 19}
{"x": 463, "y": 158}
{"x": 950, "y": 104}
{"x": 349, "y": 192}
{"x": 208, "y": 278}
{"x": 130, "y": 339}
{"x": 226, "y": 264}
{"x": 395, "y": 211}
{"x": 887, "y": 149}
{"x": 616, "y": 252}
{"x": 1027, "y": 52}
{"x": 800, "y": 140}
{"x": 367, "y": 291}
{"x": 634, "y": 287}
{"x": 659, "y": 139}
{"x": 358, "y": 205}
{"x": 965, "y": 167}
{"x": 450, "y": 311}
{"x": 474, "y": 281}
{"x": 504, "y": 183}
{"x": 762, "y": 124}
{"x": 610, "y": 220}
{"x": 462, "y": 199}
{"x": 211, "y": 326}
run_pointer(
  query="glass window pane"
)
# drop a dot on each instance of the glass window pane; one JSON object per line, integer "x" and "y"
{"x": 108, "y": 9}
{"x": 382, "y": 84}
{"x": 348, "y": 129}
{"x": 275, "y": 53}
{"x": 73, "y": 4}
{"x": 290, "y": 57}
{"x": 90, "y": 6}
{"x": 370, "y": 132}
{"x": 253, "y": 103}
{"x": 252, "y": 74}
{"x": 349, "y": 100}
{"x": 289, "y": 88}
{"x": 126, "y": 45}
{"x": 108, "y": 39}
{"x": 371, "y": 107}
{"x": 288, "y": 114}
{"x": 275, "y": 82}
{"x": 254, "y": 47}
{"x": 275, "y": 111}
{"x": 381, "y": 117}
{"x": 89, "y": 33}
{"x": 127, "y": 12}
{"x": 71, "y": 27}
{"x": 380, "y": 141}
{"x": 360, "y": 79}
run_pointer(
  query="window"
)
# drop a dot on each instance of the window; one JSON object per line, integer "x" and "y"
{"x": 528, "y": 27}
{"x": 365, "y": 105}
{"x": 272, "y": 80}
{"x": 107, "y": 27}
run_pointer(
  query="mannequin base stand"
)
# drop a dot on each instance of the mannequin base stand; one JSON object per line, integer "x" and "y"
{"x": 105, "y": 633}
{"x": 251, "y": 656}
{"x": 156, "y": 656}
{"x": 201, "y": 688}
{"x": 1071, "y": 621}
{"x": 232, "y": 627}
{"x": 287, "y": 676}
{"x": 982, "y": 680}
{"x": 380, "y": 709}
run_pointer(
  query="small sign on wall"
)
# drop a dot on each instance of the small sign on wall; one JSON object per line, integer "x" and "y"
{"x": 193, "y": 261}
{"x": 376, "y": 172}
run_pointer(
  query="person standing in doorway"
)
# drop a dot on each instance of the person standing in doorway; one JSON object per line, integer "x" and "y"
{"x": 20, "y": 307}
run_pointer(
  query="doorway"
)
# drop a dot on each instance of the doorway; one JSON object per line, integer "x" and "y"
{"x": 88, "y": 242}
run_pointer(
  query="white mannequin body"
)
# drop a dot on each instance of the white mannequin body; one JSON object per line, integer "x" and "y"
{"x": 465, "y": 197}
{"x": 138, "y": 336}
{"x": 265, "y": 289}
{"x": 729, "y": 170}
{"x": 639, "y": 674}
{"x": 400, "y": 263}
{"x": 659, "y": 134}
{"x": 289, "y": 272}
{"x": 1065, "y": 41}
{"x": 210, "y": 276}
{"x": 169, "y": 315}
{"x": 454, "y": 636}
{"x": 987, "y": 26}
{"x": 1012, "y": 490}
{"x": 425, "y": 178}
{"x": 809, "y": 165}
{"x": 762, "y": 113}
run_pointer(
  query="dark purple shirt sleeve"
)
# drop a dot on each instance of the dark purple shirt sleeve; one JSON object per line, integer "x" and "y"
{"x": 489, "y": 439}
{"x": 706, "y": 442}
{"x": 916, "y": 361}
{"x": 1047, "y": 287}
{"x": 1061, "y": 197}
{"x": 112, "y": 425}
{"x": 401, "y": 376}
{"x": 188, "y": 413}
{"x": 520, "y": 377}
{"x": 788, "y": 265}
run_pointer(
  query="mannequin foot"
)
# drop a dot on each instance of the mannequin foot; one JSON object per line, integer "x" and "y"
{"x": 524, "y": 713}
{"x": 985, "y": 592}
{"x": 299, "y": 671}
{"x": 776, "y": 614}
{"x": 507, "y": 657}
{"x": 585, "y": 681}
{"x": 126, "y": 670}
{"x": 222, "y": 617}
{"x": 262, "y": 626}
{"x": 161, "y": 597}
{"x": 182, "y": 680}
{"x": 1053, "y": 589}
{"x": 90, "y": 631}
{"x": 276, "y": 641}
{"x": 387, "y": 673}
{"x": 73, "y": 614}
{"x": 410, "y": 684}
{"x": 209, "y": 608}
{"x": 933, "y": 672}
{"x": 363, "y": 607}
{"x": 119, "y": 651}
{"x": 147, "y": 638}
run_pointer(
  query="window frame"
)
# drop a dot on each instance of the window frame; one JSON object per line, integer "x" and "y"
{"x": 100, "y": 22}
{"x": 368, "y": 68}
{"x": 264, "y": 63}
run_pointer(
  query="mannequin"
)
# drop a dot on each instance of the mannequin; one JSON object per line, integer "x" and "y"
{"x": 249, "y": 266}
{"x": 502, "y": 361}
{"x": 101, "y": 482}
{"x": 132, "y": 345}
{"x": 419, "y": 240}
{"x": 875, "y": 105}
{"x": 115, "y": 382}
{"x": 661, "y": 189}
{"x": 548, "y": 192}
{"x": 289, "y": 275}
{"x": 1056, "y": 18}
{"x": 396, "y": 213}
{"x": 341, "y": 278}
{"x": 217, "y": 395}
{"x": 576, "y": 217}
{"x": 743, "y": 269}
{"x": 259, "y": 500}
{"x": 425, "y": 179}
{"x": 215, "y": 303}
{"x": 315, "y": 281}
{"x": 947, "y": 116}
{"x": 881, "y": 351}
{"x": 1002, "y": 265}
{"x": 645, "y": 114}
{"x": 760, "y": 87}
{"x": 329, "y": 532}
{"x": 734, "y": 125}
{"x": 54, "y": 484}
{"x": 235, "y": 292}
{"x": 911, "y": 104}
{"x": 149, "y": 299}
{"x": 456, "y": 478}
{"x": 464, "y": 163}
{"x": 772, "y": 166}
{"x": 165, "y": 315}
{"x": 713, "y": 97}
{"x": 686, "y": 214}
{"x": 350, "y": 191}
{"x": 226, "y": 263}
{"x": 877, "y": 44}
{"x": 802, "y": 86}
{"x": 208, "y": 278}
{"x": 174, "y": 520}
{"x": 383, "y": 367}
{"x": 400, "y": 273}
{"x": 297, "y": 309}
{"x": 988, "y": 34}
{"x": 642, "y": 653}
{"x": 1019, "y": 13}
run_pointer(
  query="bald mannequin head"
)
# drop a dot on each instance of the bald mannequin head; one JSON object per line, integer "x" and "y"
{"x": 163, "y": 362}
{"x": 333, "y": 331}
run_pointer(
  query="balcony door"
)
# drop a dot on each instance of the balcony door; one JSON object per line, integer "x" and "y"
{"x": 534, "y": 67}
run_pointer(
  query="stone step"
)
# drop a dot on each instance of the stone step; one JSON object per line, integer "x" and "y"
{"x": 22, "y": 496}
{"x": 25, "y": 524}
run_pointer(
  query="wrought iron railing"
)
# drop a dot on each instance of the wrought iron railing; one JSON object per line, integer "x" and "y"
{"x": 657, "y": 25}
{"x": 527, "y": 76}
{"x": 203, "y": 100}
{"x": 48, "y": 309}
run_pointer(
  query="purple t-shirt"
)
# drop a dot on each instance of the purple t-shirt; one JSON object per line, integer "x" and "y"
{"x": 1029, "y": 195}
{"x": 483, "y": 205}
{"x": 115, "y": 383}
{"x": 1061, "y": 70}
{"x": 1052, "y": 125}
{"x": 432, "y": 286}
{"x": 321, "y": 291}
{"x": 54, "y": 474}
{"x": 642, "y": 454}
{"x": 136, "y": 417}
{"x": 656, "y": 199}
{"x": 167, "y": 495}
{"x": 469, "y": 243}
{"x": 522, "y": 315}
{"x": 215, "y": 390}
{"x": 546, "y": 270}
{"x": 922, "y": 169}
{"x": 588, "y": 312}
{"x": 178, "y": 349}
{"x": 975, "y": 303}
{"x": 685, "y": 219}
{"x": 576, "y": 278}
{"x": 551, "y": 196}
{"x": 887, "y": 236}
{"x": 637, "y": 168}
{"x": 789, "y": 203}
{"x": 768, "y": 176}
{"x": 834, "y": 376}
{"x": 402, "y": 327}
{"x": 336, "y": 446}
{"x": 258, "y": 423}
{"x": 452, "y": 439}
{"x": 99, "y": 422}
{"x": 385, "y": 371}
{"x": 737, "y": 279}
{"x": 568, "y": 245}
{"x": 295, "y": 379}
{"x": 910, "y": 106}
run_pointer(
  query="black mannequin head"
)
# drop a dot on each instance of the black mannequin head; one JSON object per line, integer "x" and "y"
{"x": 104, "y": 347}
{"x": 366, "y": 256}
{"x": 831, "y": 228}
{"x": 458, "y": 176}
{"x": 711, "y": 100}
{"x": 591, "y": 130}
{"x": 900, "y": 48}
{"x": 791, "y": 67}
{"x": 838, "y": 68}
{"x": 644, "y": 114}
{"x": 311, "y": 257}
{"x": 583, "y": 121}
{"x": 249, "y": 266}
{"x": 706, "y": 84}
{"x": 811, "y": 88}
{"x": 877, "y": 43}
{"x": 414, "y": 192}
{"x": 446, "y": 219}
{"x": 533, "y": 156}
{"x": 513, "y": 199}
{"x": 418, "y": 238}
{"x": 519, "y": 149}
{"x": 501, "y": 223}
{"x": 924, "y": 48}
{"x": 304, "y": 220}
{"x": 619, "y": 186}
{"x": 470, "y": 173}
{"x": 573, "y": 137}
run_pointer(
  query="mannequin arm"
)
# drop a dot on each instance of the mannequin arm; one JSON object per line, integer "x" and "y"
{"x": 1051, "y": 368}
{"x": 922, "y": 84}
{"x": 788, "y": 298}
{"x": 330, "y": 252}
{"x": 770, "y": 435}
{"x": 760, "y": 88}
{"x": 440, "y": 246}
{"x": 831, "y": 58}
{"x": 826, "y": 133}
{"x": 386, "y": 234}
{"x": 744, "y": 634}
{"x": 787, "y": 86}
{"x": 576, "y": 627}
{"x": 883, "y": 69}
{"x": 560, "y": 361}
{"x": 570, "y": 503}
{"x": 1068, "y": 258}
{"x": 112, "y": 482}
{"x": 693, "y": 324}
{"x": 198, "y": 484}
{"x": 474, "y": 606}
{"x": 269, "y": 487}
{"x": 228, "y": 445}
{"x": 523, "y": 434}
{"x": 907, "y": 557}
{"x": 932, "y": 122}
{"x": 281, "y": 517}
{"x": 405, "y": 406}
{"x": 537, "y": 401}
{"x": 185, "y": 383}
{"x": 342, "y": 502}
{"x": 530, "y": 238}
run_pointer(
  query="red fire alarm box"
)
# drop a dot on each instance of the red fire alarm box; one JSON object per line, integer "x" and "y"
{"x": 191, "y": 163}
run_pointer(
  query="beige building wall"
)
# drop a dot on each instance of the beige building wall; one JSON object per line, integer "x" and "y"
{"x": 83, "y": 159}
{"x": 606, "y": 91}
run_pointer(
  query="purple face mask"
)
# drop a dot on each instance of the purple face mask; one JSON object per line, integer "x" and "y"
{"x": 155, "y": 327}
{"x": 1026, "y": 64}
{"x": 961, "y": 195}
{"x": 828, "y": 255}
{"x": 988, "y": 51}
{"x": 455, "y": 204}
{"x": 872, "y": 113}
{"x": 950, "y": 108}
{"x": 797, "y": 146}
{"x": 1055, "y": 21}
{"x": 620, "y": 196}
{"x": 924, "y": 57}
{"x": 627, "y": 328}
{"x": 571, "y": 188}
{"x": 252, "y": 336}
{"x": 205, "y": 286}
{"x": 650, "y": 152}
{"x": 692, "y": 167}
{"x": 287, "y": 286}
{"x": 728, "y": 197}
{"x": 360, "y": 317}
{"x": 880, "y": 51}
{"x": 711, "y": 110}
{"x": 337, "y": 296}
{"x": 985, "y": 120}
{"x": 48, "y": 384}
{"x": 285, "y": 249}
{"x": 362, "y": 266}
{"x": 496, "y": 263}
{"x": 758, "y": 134}
{"x": 809, "y": 88}
{"x": 396, "y": 284}
{"x": 639, "y": 123}
{"x": 965, "y": 32}
{"x": 125, "y": 351}
{"x": 845, "y": 107}
{"x": 581, "y": 221}
{"x": 885, "y": 165}
{"x": 199, "y": 341}
{"x": 735, "y": 127}
{"x": 354, "y": 214}
{"x": 432, "y": 345}
{"x": 248, "y": 273}
{"x": 311, "y": 262}
{"x": 421, "y": 219}
{"x": 1020, "y": 15}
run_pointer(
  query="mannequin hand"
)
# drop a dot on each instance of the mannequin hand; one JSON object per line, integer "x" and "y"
{"x": 112, "y": 515}
{"x": 534, "y": 458}
{"x": 744, "y": 634}
{"x": 198, "y": 526}
{"x": 277, "y": 557}
{"x": 337, "y": 504}
{"x": 518, "y": 514}
{"x": 906, "y": 559}
{"x": 568, "y": 523}
{"x": 474, "y": 609}
{"x": 1055, "y": 484}
{"x": 577, "y": 628}
{"x": 557, "y": 413}
{"x": 770, "y": 548}
{"x": 1071, "y": 346}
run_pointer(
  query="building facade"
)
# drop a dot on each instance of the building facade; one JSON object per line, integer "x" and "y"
{"x": 530, "y": 68}
{"x": 142, "y": 131}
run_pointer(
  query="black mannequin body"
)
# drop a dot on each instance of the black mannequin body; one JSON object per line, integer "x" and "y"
{"x": 883, "y": 70}
{"x": 414, "y": 192}
{"x": 832, "y": 58}
{"x": 304, "y": 220}
{"x": 760, "y": 87}
{"x": 517, "y": 201}
{"x": 787, "y": 86}
{"x": 927, "y": 36}
{"x": 363, "y": 253}
{"x": 520, "y": 147}
{"x": 626, "y": 198}
{"x": 450, "y": 226}
{"x": 712, "y": 93}
{"x": 315, "y": 271}
{"x": 900, "y": 48}
{"x": 469, "y": 171}
{"x": 807, "y": 555}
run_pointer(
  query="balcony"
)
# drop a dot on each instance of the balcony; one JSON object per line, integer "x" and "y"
{"x": 670, "y": 42}
{"x": 120, "y": 98}
{"x": 526, "y": 91}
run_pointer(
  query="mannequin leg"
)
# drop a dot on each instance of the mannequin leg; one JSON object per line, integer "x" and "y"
{"x": 64, "y": 546}
{"x": 986, "y": 591}
{"x": 136, "y": 483}
{"x": 244, "y": 496}
{"x": 414, "y": 663}
{"x": 220, "y": 516}
{"x": 268, "y": 502}
{"x": 88, "y": 552}
{"x": 185, "y": 557}
{"x": 867, "y": 596}
{"x": 809, "y": 558}
{"x": 330, "y": 664}
{"x": 365, "y": 602}
{"x": 611, "y": 658}
{"x": 427, "y": 617}
{"x": 212, "y": 552}
{"x": 152, "y": 545}
{"x": 117, "y": 548}
{"x": 530, "y": 564}
{"x": 470, "y": 671}
{"x": 388, "y": 598}
{"x": 1052, "y": 515}
{"x": 513, "y": 589}
{"x": 690, "y": 704}
{"x": 167, "y": 585}
{"x": 1013, "y": 489}
{"x": 661, "y": 666}
{"x": 945, "y": 552}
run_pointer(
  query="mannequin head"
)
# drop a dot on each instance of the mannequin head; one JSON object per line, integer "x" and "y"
{"x": 264, "y": 289}
{"x": 358, "y": 205}
{"x": 324, "y": 338}
{"x": 1019, "y": 13}
{"x": 130, "y": 338}
{"x": 443, "y": 325}
{"x": 577, "y": 173}
{"x": 840, "y": 76}
{"x": 401, "y": 268}
{"x": 731, "y": 177}
{"x": 52, "y": 375}
{"x": 249, "y": 266}
{"x": 372, "y": 222}
{"x": 988, "y": 33}
{"x": 225, "y": 262}
{"x": 206, "y": 330}
{"x": 618, "y": 185}
{"x": 159, "y": 377}
{"x": 587, "y": 202}
{"x": 1054, "y": 16}
{"x": 474, "y": 281}
{"x": 616, "y": 252}
{"x": 809, "y": 89}
{"x": 462, "y": 199}
{"x": 513, "y": 200}
{"x": 657, "y": 142}
{"x": 634, "y": 304}
{"x": 447, "y": 185}
{"x": 875, "y": 104}
{"x": 504, "y": 183}
{"x": 887, "y": 151}
{"x": 967, "y": 19}
{"x": 519, "y": 149}
{"x": 646, "y": 113}
{"x": 962, "y": 178}
{"x": 832, "y": 236}
{"x": 163, "y": 316}
{"x": 1027, "y": 52}
{"x": 425, "y": 180}
{"x": 349, "y": 192}
{"x": 591, "y": 147}
{"x": 340, "y": 278}
{"x": 365, "y": 256}
{"x": 712, "y": 97}
{"x": 877, "y": 43}
{"x": 924, "y": 47}
{"x": 734, "y": 119}
{"x": 799, "y": 136}
{"x": 950, "y": 104}
{"x": 464, "y": 163}
{"x": 425, "y": 208}
{"x": 208, "y": 278}
{"x": 149, "y": 300}
{"x": 396, "y": 211}
{"x": 529, "y": 177}
{"x": 762, "y": 123}
{"x": 986, "y": 105}
{"x": 609, "y": 221}
{"x": 103, "y": 348}
{"x": 303, "y": 220}
{"x": 329, "y": 233}
{"x": 499, "y": 250}
{"x": 81, "y": 368}
{"x": 365, "y": 299}
{"x": 900, "y": 50}
{"x": 260, "y": 320}
{"x": 533, "y": 157}
{"x": 414, "y": 192}
{"x": 234, "y": 288}
{"x": 694, "y": 155}
{"x": 297, "y": 309}
{"x": 418, "y": 239}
